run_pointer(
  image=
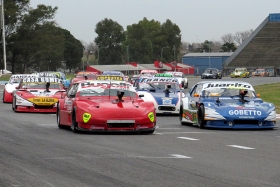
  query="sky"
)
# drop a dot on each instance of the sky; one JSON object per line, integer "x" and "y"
{"x": 198, "y": 20}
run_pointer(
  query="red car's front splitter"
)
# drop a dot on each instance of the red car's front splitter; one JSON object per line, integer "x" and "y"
{"x": 105, "y": 128}
{"x": 33, "y": 109}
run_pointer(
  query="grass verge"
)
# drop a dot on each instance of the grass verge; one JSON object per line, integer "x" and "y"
{"x": 270, "y": 93}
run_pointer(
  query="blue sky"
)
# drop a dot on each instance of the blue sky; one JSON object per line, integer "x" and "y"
{"x": 199, "y": 20}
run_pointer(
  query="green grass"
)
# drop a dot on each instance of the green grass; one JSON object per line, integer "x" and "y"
{"x": 5, "y": 77}
{"x": 270, "y": 93}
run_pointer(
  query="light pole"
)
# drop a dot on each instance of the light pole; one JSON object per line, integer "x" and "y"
{"x": 162, "y": 51}
{"x": 209, "y": 46}
{"x": 3, "y": 36}
{"x": 127, "y": 51}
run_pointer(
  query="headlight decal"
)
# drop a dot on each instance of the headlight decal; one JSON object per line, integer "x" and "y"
{"x": 86, "y": 117}
{"x": 151, "y": 116}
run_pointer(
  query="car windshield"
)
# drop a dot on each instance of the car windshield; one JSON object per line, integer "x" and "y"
{"x": 105, "y": 92}
{"x": 178, "y": 75}
{"x": 162, "y": 85}
{"x": 14, "y": 80}
{"x": 226, "y": 92}
{"x": 39, "y": 85}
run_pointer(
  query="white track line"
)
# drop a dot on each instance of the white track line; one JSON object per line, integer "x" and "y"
{"x": 187, "y": 138}
{"x": 240, "y": 147}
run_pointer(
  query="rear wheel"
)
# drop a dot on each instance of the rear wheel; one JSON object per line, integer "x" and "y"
{"x": 4, "y": 96}
{"x": 200, "y": 117}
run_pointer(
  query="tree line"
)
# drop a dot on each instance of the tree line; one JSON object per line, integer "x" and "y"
{"x": 34, "y": 41}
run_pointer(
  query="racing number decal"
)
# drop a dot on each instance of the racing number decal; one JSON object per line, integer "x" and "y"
{"x": 86, "y": 117}
{"x": 151, "y": 116}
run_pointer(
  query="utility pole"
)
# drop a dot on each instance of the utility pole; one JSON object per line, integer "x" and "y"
{"x": 3, "y": 36}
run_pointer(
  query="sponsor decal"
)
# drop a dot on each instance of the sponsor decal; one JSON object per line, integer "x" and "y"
{"x": 115, "y": 78}
{"x": 159, "y": 79}
{"x": 151, "y": 116}
{"x": 43, "y": 101}
{"x": 188, "y": 116}
{"x": 86, "y": 117}
{"x": 42, "y": 79}
{"x": 112, "y": 85}
{"x": 228, "y": 85}
{"x": 162, "y": 75}
{"x": 245, "y": 112}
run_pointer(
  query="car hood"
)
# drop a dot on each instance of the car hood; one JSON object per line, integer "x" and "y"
{"x": 254, "y": 109}
{"x": 112, "y": 109}
{"x": 11, "y": 87}
{"x": 160, "y": 98}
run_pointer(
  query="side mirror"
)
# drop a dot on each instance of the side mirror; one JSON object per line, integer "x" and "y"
{"x": 6, "y": 83}
{"x": 16, "y": 87}
{"x": 258, "y": 95}
{"x": 196, "y": 95}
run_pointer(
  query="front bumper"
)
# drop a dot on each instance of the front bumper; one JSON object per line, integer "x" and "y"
{"x": 231, "y": 125}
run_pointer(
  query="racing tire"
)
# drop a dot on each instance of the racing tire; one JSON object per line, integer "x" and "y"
{"x": 202, "y": 78}
{"x": 148, "y": 132}
{"x": 58, "y": 117}
{"x": 201, "y": 122}
{"x": 186, "y": 85}
{"x": 74, "y": 125}
{"x": 181, "y": 117}
{"x": 14, "y": 106}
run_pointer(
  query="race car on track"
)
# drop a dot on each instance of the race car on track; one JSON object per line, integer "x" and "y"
{"x": 183, "y": 81}
{"x": 226, "y": 104}
{"x": 211, "y": 73}
{"x": 165, "y": 93}
{"x": 240, "y": 72}
{"x": 259, "y": 72}
{"x": 39, "y": 94}
{"x": 84, "y": 76}
{"x": 105, "y": 105}
{"x": 11, "y": 85}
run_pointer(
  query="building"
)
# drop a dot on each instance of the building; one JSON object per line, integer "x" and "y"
{"x": 261, "y": 49}
{"x": 202, "y": 61}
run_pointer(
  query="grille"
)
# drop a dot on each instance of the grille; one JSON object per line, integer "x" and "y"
{"x": 167, "y": 108}
{"x": 246, "y": 122}
{"x": 120, "y": 125}
{"x": 43, "y": 107}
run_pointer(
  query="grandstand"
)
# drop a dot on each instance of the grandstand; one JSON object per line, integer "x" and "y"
{"x": 261, "y": 49}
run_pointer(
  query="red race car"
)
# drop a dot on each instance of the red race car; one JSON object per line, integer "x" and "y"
{"x": 84, "y": 76}
{"x": 104, "y": 105}
{"x": 10, "y": 87}
{"x": 39, "y": 94}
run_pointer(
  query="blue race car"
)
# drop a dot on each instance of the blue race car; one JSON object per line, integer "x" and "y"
{"x": 226, "y": 104}
{"x": 165, "y": 93}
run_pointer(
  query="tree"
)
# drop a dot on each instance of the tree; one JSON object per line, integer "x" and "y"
{"x": 73, "y": 50}
{"x": 228, "y": 38}
{"x": 109, "y": 40}
{"x": 228, "y": 47}
{"x": 241, "y": 36}
{"x": 32, "y": 37}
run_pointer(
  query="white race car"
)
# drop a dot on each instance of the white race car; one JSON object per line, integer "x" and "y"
{"x": 183, "y": 81}
{"x": 165, "y": 93}
{"x": 10, "y": 87}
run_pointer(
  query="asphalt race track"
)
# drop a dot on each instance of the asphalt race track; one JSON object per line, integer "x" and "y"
{"x": 34, "y": 152}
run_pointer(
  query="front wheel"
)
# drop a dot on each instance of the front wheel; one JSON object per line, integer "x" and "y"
{"x": 14, "y": 106}
{"x": 58, "y": 117}
{"x": 186, "y": 85}
{"x": 201, "y": 122}
{"x": 74, "y": 125}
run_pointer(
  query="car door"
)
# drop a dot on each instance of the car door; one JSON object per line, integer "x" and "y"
{"x": 66, "y": 110}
